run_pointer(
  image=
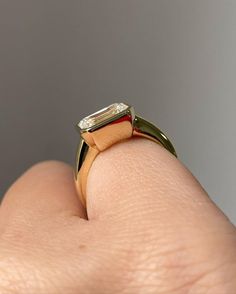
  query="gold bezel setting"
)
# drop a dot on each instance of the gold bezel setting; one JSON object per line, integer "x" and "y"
{"x": 105, "y": 116}
{"x": 106, "y": 127}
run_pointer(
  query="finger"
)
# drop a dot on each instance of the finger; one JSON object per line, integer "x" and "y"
{"x": 156, "y": 214}
{"x": 45, "y": 190}
{"x": 138, "y": 179}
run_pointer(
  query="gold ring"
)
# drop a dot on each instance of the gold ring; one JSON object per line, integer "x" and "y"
{"x": 106, "y": 127}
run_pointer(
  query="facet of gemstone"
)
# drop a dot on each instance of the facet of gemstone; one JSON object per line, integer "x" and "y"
{"x": 102, "y": 115}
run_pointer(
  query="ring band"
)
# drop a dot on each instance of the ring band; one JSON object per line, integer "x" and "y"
{"x": 105, "y": 128}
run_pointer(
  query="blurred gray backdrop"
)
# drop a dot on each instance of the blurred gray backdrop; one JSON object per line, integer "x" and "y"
{"x": 175, "y": 61}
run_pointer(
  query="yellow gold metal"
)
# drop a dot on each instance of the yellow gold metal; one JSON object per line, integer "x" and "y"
{"x": 106, "y": 128}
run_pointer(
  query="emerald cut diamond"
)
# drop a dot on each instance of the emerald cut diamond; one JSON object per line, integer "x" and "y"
{"x": 102, "y": 115}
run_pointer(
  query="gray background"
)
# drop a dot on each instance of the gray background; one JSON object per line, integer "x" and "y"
{"x": 175, "y": 61}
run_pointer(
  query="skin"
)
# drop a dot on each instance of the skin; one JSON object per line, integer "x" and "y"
{"x": 149, "y": 228}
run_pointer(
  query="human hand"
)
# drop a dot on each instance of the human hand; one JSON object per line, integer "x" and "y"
{"x": 149, "y": 228}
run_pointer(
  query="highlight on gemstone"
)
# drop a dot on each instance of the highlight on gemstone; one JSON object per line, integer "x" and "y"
{"x": 102, "y": 115}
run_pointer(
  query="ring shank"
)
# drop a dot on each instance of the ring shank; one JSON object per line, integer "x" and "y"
{"x": 148, "y": 130}
{"x": 87, "y": 154}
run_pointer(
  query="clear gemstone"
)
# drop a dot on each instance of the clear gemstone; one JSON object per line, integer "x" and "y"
{"x": 102, "y": 115}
